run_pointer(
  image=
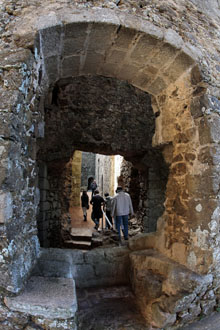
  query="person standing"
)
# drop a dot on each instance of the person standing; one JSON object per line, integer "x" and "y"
{"x": 93, "y": 186}
{"x": 85, "y": 204}
{"x": 108, "y": 207}
{"x": 121, "y": 208}
{"x": 97, "y": 202}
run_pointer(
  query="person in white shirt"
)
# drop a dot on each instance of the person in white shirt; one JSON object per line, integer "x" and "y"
{"x": 121, "y": 208}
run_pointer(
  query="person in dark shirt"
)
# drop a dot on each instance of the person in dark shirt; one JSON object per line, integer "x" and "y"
{"x": 85, "y": 204}
{"x": 97, "y": 202}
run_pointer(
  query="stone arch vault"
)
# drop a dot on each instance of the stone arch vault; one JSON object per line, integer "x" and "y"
{"x": 57, "y": 44}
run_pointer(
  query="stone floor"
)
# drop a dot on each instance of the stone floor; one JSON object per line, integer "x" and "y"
{"x": 110, "y": 308}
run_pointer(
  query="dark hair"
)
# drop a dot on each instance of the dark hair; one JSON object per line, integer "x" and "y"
{"x": 96, "y": 192}
{"x": 119, "y": 188}
{"x": 106, "y": 194}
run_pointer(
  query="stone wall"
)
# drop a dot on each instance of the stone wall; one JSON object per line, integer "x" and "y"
{"x": 147, "y": 189}
{"x": 103, "y": 176}
{"x": 100, "y": 267}
{"x": 97, "y": 124}
{"x": 88, "y": 168}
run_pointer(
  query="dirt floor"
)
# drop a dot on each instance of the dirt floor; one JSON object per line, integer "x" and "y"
{"x": 77, "y": 216}
{"x": 110, "y": 308}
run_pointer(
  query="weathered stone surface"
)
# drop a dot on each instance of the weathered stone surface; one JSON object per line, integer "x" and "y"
{"x": 162, "y": 319}
{"x": 52, "y": 298}
{"x": 176, "y": 287}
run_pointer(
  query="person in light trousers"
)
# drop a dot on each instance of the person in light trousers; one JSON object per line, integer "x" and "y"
{"x": 121, "y": 208}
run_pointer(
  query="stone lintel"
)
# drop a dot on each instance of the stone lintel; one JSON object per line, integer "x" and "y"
{"x": 50, "y": 297}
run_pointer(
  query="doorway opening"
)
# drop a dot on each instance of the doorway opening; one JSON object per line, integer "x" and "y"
{"x": 102, "y": 117}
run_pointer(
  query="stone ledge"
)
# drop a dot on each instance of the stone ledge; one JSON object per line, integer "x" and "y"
{"x": 52, "y": 298}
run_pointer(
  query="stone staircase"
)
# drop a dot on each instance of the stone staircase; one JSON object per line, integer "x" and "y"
{"x": 81, "y": 239}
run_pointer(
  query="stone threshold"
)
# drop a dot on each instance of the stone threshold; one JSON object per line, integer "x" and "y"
{"x": 49, "y": 297}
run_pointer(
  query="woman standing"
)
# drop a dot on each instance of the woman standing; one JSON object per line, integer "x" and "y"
{"x": 85, "y": 204}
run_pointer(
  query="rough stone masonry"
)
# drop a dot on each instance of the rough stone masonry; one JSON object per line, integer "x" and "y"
{"x": 171, "y": 51}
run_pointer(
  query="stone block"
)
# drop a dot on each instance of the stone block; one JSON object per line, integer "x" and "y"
{"x": 51, "y": 66}
{"x": 108, "y": 70}
{"x": 150, "y": 71}
{"x": 77, "y": 257}
{"x": 181, "y": 63}
{"x": 73, "y": 46}
{"x": 85, "y": 276}
{"x": 115, "y": 253}
{"x": 143, "y": 241}
{"x": 75, "y": 30}
{"x": 127, "y": 72}
{"x": 144, "y": 50}
{"x": 164, "y": 56}
{"x": 50, "y": 40}
{"x": 196, "y": 106}
{"x": 115, "y": 56}
{"x": 173, "y": 38}
{"x": 92, "y": 63}
{"x": 157, "y": 86}
{"x": 124, "y": 38}
{"x": 52, "y": 298}
{"x": 94, "y": 257}
{"x": 100, "y": 38}
{"x": 150, "y": 285}
{"x": 70, "y": 66}
{"x": 208, "y": 129}
{"x": 53, "y": 268}
{"x": 54, "y": 263}
{"x": 141, "y": 80}
{"x": 177, "y": 277}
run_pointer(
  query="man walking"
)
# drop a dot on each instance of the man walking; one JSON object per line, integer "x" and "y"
{"x": 97, "y": 202}
{"x": 121, "y": 208}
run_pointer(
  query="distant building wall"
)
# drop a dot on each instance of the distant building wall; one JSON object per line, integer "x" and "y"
{"x": 88, "y": 167}
{"x": 103, "y": 173}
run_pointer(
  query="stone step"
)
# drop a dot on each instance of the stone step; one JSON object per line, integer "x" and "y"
{"x": 48, "y": 297}
{"x": 81, "y": 234}
{"x": 78, "y": 244}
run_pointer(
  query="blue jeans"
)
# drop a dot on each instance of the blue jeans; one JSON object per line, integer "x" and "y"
{"x": 119, "y": 220}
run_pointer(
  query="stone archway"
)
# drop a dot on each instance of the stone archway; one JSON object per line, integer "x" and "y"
{"x": 150, "y": 61}
{"x": 111, "y": 45}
